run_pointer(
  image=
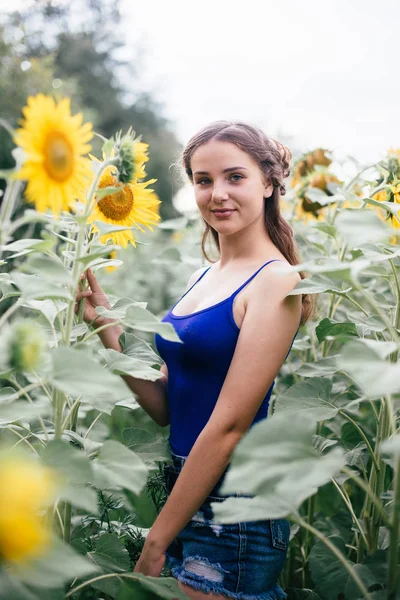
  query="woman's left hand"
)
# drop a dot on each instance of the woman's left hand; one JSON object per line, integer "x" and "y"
{"x": 151, "y": 561}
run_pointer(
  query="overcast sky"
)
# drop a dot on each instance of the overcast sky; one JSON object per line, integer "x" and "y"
{"x": 323, "y": 72}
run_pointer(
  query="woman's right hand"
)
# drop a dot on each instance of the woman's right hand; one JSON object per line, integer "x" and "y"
{"x": 94, "y": 297}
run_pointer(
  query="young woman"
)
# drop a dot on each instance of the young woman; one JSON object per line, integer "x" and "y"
{"x": 237, "y": 325}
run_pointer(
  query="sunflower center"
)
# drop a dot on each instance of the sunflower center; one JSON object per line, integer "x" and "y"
{"x": 115, "y": 206}
{"x": 59, "y": 158}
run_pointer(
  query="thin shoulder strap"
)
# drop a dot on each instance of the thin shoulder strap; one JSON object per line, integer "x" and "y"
{"x": 192, "y": 286}
{"x": 254, "y": 274}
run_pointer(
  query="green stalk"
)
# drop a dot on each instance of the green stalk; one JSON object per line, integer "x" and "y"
{"x": 370, "y": 495}
{"x": 364, "y": 437}
{"x": 68, "y": 507}
{"x": 349, "y": 505}
{"x": 393, "y": 551}
{"x": 394, "y": 357}
{"x": 58, "y": 401}
{"x": 352, "y": 573}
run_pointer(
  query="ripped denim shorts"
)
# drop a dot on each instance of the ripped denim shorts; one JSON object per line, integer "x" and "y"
{"x": 239, "y": 560}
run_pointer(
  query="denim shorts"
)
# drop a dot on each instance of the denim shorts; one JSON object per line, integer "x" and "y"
{"x": 239, "y": 560}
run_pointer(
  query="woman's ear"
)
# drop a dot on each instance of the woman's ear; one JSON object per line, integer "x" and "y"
{"x": 268, "y": 189}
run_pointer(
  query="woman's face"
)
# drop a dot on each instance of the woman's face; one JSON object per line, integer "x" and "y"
{"x": 229, "y": 186}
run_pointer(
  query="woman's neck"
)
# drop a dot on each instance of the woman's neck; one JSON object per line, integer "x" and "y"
{"x": 249, "y": 245}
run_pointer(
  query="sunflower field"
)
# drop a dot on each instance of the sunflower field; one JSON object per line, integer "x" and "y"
{"x": 81, "y": 479}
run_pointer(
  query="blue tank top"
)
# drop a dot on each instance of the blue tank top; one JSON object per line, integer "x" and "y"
{"x": 197, "y": 367}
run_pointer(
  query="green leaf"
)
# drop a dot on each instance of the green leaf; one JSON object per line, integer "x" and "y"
{"x": 21, "y": 247}
{"x": 121, "y": 364}
{"x": 48, "y": 268}
{"x": 143, "y": 320}
{"x": 151, "y": 588}
{"x": 150, "y": 448}
{"x": 138, "y": 348}
{"x": 35, "y": 287}
{"x": 48, "y": 308}
{"x": 12, "y": 588}
{"x": 107, "y": 228}
{"x": 326, "y": 228}
{"x": 118, "y": 467}
{"x": 327, "y": 571}
{"x": 391, "y": 207}
{"x": 21, "y": 410}
{"x": 59, "y": 565}
{"x": 392, "y": 445}
{"x": 75, "y": 470}
{"x": 107, "y": 191}
{"x": 357, "y": 225}
{"x": 375, "y": 377}
{"x": 316, "y": 286}
{"x": 329, "y": 328}
{"x": 110, "y": 556}
{"x": 319, "y": 368}
{"x": 293, "y": 471}
{"x": 311, "y": 398}
{"x": 77, "y": 374}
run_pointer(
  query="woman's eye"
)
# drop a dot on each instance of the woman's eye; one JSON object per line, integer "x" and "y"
{"x": 236, "y": 177}
{"x": 203, "y": 181}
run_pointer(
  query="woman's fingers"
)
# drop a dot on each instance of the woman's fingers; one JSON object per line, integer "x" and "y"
{"x": 94, "y": 284}
{"x": 84, "y": 294}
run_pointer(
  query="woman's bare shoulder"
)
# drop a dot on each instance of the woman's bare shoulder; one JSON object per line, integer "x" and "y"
{"x": 194, "y": 277}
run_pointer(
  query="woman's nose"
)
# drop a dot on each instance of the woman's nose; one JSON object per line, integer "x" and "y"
{"x": 219, "y": 193}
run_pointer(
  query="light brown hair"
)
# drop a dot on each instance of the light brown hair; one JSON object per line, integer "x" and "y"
{"x": 273, "y": 159}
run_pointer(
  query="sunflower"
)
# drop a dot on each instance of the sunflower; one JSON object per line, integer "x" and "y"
{"x": 135, "y": 205}
{"x": 305, "y": 165}
{"x": 55, "y": 143}
{"x": 390, "y": 195}
{"x": 140, "y": 153}
{"x": 307, "y": 207}
{"x": 26, "y": 487}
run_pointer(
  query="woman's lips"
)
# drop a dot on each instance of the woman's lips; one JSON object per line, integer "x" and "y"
{"x": 223, "y": 213}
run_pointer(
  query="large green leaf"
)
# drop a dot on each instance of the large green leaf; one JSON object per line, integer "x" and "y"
{"x": 49, "y": 268}
{"x": 310, "y": 398}
{"x": 121, "y": 364}
{"x": 138, "y": 348}
{"x": 35, "y": 287}
{"x": 26, "y": 246}
{"x": 293, "y": 470}
{"x": 357, "y": 225}
{"x": 317, "y": 285}
{"x": 48, "y": 308}
{"x": 12, "y": 588}
{"x": 329, "y": 328}
{"x": 77, "y": 374}
{"x": 59, "y": 565}
{"x": 319, "y": 368}
{"x": 375, "y": 376}
{"x": 111, "y": 556}
{"x": 331, "y": 578}
{"x": 149, "y": 447}
{"x": 75, "y": 470}
{"x": 117, "y": 467}
{"x": 143, "y": 320}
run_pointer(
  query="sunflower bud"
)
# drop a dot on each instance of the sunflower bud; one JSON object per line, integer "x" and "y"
{"x": 126, "y": 158}
{"x": 26, "y": 345}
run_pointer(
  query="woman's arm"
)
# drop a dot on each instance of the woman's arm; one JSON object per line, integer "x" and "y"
{"x": 268, "y": 328}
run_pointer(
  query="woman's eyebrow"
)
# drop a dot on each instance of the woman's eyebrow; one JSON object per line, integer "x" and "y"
{"x": 224, "y": 171}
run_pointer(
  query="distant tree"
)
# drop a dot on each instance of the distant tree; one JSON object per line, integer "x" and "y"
{"x": 75, "y": 45}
